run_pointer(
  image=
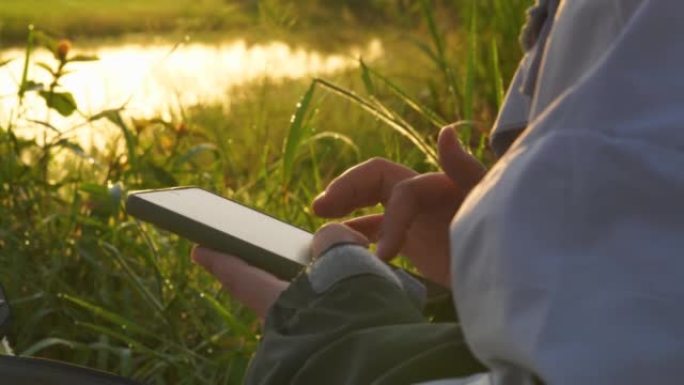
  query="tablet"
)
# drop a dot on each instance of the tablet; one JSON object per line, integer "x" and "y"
{"x": 225, "y": 225}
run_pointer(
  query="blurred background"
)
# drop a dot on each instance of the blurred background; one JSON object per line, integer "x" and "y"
{"x": 260, "y": 101}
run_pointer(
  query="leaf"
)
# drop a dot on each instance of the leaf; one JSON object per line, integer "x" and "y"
{"x": 46, "y": 41}
{"x": 296, "y": 133}
{"x": 112, "y": 115}
{"x": 83, "y": 58}
{"x": 4, "y": 62}
{"x": 62, "y": 102}
{"x": 46, "y": 67}
{"x": 30, "y": 85}
{"x": 46, "y": 124}
{"x": 74, "y": 147}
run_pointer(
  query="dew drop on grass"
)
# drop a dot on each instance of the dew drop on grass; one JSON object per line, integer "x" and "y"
{"x": 210, "y": 351}
{"x": 201, "y": 295}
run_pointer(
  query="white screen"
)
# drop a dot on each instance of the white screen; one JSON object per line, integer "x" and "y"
{"x": 237, "y": 220}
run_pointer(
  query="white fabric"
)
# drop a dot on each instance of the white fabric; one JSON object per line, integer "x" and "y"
{"x": 568, "y": 258}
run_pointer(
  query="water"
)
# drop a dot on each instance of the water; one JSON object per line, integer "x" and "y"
{"x": 155, "y": 80}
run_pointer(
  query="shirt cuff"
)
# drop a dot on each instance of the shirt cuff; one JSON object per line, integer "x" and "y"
{"x": 348, "y": 260}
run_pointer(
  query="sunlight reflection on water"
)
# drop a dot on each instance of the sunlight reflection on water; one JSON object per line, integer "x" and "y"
{"x": 154, "y": 80}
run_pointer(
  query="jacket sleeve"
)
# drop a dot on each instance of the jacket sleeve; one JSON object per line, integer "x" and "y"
{"x": 568, "y": 255}
{"x": 351, "y": 320}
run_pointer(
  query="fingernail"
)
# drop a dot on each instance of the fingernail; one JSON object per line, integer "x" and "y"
{"x": 319, "y": 196}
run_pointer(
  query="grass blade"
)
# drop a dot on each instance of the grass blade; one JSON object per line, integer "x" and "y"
{"x": 228, "y": 317}
{"x": 46, "y": 343}
{"x": 131, "y": 342}
{"x": 406, "y": 130}
{"x": 439, "y": 55}
{"x": 27, "y": 59}
{"x": 468, "y": 92}
{"x": 112, "y": 317}
{"x": 366, "y": 77}
{"x": 411, "y": 102}
{"x": 497, "y": 76}
{"x": 138, "y": 283}
{"x": 296, "y": 133}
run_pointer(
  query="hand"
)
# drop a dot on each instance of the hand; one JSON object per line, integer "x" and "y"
{"x": 256, "y": 288}
{"x": 253, "y": 287}
{"x": 418, "y": 208}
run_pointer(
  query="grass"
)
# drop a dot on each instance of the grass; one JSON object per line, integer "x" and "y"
{"x": 91, "y": 286}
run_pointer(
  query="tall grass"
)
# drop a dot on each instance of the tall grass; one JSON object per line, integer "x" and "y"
{"x": 92, "y": 286}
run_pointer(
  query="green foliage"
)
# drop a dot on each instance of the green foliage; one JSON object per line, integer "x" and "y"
{"x": 92, "y": 286}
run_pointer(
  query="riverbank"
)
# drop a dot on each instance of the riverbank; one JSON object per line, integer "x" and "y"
{"x": 107, "y": 18}
{"x": 88, "y": 19}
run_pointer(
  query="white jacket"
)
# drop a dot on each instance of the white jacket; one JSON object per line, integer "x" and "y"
{"x": 568, "y": 258}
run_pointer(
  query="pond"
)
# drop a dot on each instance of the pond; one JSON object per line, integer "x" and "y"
{"x": 156, "y": 79}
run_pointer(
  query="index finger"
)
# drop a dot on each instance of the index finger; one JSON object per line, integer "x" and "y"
{"x": 364, "y": 185}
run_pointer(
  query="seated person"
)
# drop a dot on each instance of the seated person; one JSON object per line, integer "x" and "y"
{"x": 565, "y": 259}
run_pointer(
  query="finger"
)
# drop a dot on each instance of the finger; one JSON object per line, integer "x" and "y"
{"x": 364, "y": 185}
{"x": 368, "y": 225}
{"x": 332, "y": 234}
{"x": 253, "y": 287}
{"x": 462, "y": 168}
{"x": 409, "y": 198}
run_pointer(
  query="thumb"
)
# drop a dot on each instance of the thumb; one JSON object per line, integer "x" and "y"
{"x": 368, "y": 225}
{"x": 459, "y": 165}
